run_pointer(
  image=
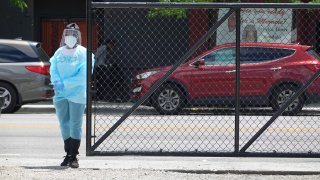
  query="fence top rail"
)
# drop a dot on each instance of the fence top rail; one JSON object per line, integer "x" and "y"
{"x": 203, "y": 5}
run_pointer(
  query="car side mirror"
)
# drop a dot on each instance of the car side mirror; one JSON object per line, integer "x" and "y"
{"x": 198, "y": 63}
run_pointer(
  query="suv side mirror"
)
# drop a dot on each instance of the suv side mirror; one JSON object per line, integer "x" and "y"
{"x": 198, "y": 63}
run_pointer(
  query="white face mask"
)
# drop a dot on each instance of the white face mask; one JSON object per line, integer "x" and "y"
{"x": 70, "y": 41}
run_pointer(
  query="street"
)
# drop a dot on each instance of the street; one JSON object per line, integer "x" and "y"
{"x": 31, "y": 148}
{"x": 35, "y": 128}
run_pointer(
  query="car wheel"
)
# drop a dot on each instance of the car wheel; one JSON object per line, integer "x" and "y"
{"x": 282, "y": 94}
{"x": 168, "y": 100}
{"x": 10, "y": 97}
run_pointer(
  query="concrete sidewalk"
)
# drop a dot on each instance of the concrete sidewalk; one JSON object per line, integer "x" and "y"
{"x": 141, "y": 167}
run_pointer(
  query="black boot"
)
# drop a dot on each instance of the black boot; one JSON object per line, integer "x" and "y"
{"x": 75, "y": 144}
{"x": 67, "y": 149}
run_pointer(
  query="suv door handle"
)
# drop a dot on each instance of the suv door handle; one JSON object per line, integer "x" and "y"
{"x": 276, "y": 68}
{"x": 232, "y": 71}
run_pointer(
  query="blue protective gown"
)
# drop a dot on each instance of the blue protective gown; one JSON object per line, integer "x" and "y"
{"x": 69, "y": 67}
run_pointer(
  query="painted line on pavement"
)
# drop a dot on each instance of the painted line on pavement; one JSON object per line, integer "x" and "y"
{"x": 10, "y": 154}
{"x": 132, "y": 128}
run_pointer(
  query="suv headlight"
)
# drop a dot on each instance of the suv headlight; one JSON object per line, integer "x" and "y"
{"x": 146, "y": 74}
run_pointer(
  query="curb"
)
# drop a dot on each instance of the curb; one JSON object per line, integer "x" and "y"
{"x": 241, "y": 172}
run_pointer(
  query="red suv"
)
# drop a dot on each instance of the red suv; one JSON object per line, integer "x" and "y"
{"x": 269, "y": 75}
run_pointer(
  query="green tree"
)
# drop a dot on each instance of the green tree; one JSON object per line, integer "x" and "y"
{"x": 19, "y": 3}
{"x": 181, "y": 13}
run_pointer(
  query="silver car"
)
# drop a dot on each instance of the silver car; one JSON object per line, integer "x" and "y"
{"x": 24, "y": 74}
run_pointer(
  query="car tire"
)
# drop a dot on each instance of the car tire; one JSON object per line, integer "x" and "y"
{"x": 16, "y": 108}
{"x": 282, "y": 94}
{"x": 168, "y": 100}
{"x": 10, "y": 98}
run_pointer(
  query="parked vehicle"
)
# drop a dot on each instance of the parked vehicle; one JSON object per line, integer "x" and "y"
{"x": 24, "y": 74}
{"x": 269, "y": 75}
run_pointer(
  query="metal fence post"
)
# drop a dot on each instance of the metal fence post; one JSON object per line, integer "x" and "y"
{"x": 89, "y": 85}
{"x": 237, "y": 90}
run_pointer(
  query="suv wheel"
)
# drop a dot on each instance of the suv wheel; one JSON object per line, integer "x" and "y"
{"x": 168, "y": 100}
{"x": 10, "y": 97}
{"x": 282, "y": 94}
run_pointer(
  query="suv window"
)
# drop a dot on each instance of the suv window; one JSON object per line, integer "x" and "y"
{"x": 262, "y": 54}
{"x": 42, "y": 54}
{"x": 313, "y": 53}
{"x": 220, "y": 57}
{"x": 10, "y": 54}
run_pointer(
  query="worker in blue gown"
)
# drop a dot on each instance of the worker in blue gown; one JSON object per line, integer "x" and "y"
{"x": 68, "y": 75}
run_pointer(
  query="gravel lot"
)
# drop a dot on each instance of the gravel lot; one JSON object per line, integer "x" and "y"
{"x": 55, "y": 173}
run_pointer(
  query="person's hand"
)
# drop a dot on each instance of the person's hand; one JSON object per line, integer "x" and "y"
{"x": 58, "y": 86}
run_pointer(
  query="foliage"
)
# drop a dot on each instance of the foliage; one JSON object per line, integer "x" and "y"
{"x": 182, "y": 13}
{"x": 19, "y": 3}
{"x": 179, "y": 13}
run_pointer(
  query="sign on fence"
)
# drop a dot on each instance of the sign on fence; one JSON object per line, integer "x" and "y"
{"x": 258, "y": 25}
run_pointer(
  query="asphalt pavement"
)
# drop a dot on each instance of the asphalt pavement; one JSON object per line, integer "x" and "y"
{"x": 18, "y": 166}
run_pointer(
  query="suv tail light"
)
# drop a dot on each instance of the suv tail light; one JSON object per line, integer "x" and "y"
{"x": 41, "y": 69}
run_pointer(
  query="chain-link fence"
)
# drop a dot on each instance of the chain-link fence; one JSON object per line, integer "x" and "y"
{"x": 205, "y": 79}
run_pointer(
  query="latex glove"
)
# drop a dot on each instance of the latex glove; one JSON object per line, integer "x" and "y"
{"x": 58, "y": 86}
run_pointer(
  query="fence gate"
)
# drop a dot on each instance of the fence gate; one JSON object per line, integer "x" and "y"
{"x": 204, "y": 79}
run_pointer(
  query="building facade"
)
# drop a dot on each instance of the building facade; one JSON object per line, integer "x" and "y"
{"x": 44, "y": 21}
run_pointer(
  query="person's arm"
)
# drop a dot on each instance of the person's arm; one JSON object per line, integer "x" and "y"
{"x": 55, "y": 76}
{"x": 54, "y": 73}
